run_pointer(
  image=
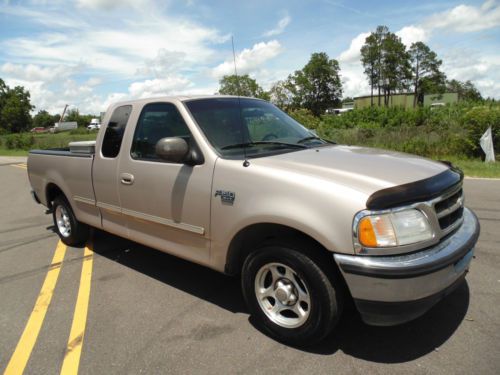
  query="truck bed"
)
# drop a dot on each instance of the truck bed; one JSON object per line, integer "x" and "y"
{"x": 72, "y": 173}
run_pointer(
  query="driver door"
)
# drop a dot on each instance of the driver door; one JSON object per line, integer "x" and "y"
{"x": 166, "y": 205}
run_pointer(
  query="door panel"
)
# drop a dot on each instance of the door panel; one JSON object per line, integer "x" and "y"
{"x": 166, "y": 205}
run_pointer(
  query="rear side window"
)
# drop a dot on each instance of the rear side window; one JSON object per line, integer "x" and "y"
{"x": 114, "y": 131}
{"x": 157, "y": 121}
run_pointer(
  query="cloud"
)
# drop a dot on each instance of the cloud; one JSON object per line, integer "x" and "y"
{"x": 353, "y": 53}
{"x": 411, "y": 34}
{"x": 32, "y": 72}
{"x": 280, "y": 27}
{"x": 467, "y": 18}
{"x": 159, "y": 87}
{"x": 249, "y": 60}
{"x": 110, "y": 4}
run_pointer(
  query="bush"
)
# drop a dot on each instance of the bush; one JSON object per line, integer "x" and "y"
{"x": 20, "y": 141}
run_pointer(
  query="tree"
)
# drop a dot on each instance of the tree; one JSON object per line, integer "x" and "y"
{"x": 427, "y": 78}
{"x": 282, "y": 94}
{"x": 43, "y": 119}
{"x": 15, "y": 107}
{"x": 242, "y": 86}
{"x": 81, "y": 120}
{"x": 318, "y": 85}
{"x": 386, "y": 63}
{"x": 465, "y": 90}
{"x": 396, "y": 68}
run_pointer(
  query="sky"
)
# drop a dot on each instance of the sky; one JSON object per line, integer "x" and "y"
{"x": 90, "y": 53}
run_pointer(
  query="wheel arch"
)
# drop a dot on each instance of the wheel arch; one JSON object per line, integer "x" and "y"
{"x": 250, "y": 237}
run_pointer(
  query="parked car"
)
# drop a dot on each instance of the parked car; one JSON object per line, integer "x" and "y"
{"x": 237, "y": 185}
{"x": 38, "y": 129}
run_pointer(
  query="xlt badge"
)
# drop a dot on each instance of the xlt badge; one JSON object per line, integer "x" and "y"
{"x": 226, "y": 196}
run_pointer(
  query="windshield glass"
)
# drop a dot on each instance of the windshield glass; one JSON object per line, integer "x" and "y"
{"x": 232, "y": 125}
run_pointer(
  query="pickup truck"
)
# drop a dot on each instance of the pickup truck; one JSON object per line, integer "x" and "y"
{"x": 237, "y": 185}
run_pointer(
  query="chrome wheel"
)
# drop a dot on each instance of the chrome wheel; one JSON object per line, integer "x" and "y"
{"x": 63, "y": 222}
{"x": 282, "y": 295}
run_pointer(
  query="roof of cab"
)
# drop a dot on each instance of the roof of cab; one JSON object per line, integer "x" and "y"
{"x": 175, "y": 98}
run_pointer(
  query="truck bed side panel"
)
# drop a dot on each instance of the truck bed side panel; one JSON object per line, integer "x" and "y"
{"x": 72, "y": 174}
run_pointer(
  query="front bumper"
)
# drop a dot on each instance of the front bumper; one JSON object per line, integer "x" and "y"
{"x": 389, "y": 290}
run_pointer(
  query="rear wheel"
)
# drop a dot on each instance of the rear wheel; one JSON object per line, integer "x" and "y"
{"x": 289, "y": 295}
{"x": 69, "y": 229}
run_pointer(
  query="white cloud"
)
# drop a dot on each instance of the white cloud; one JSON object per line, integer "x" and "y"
{"x": 280, "y": 27}
{"x": 31, "y": 72}
{"x": 159, "y": 87}
{"x": 110, "y": 4}
{"x": 467, "y": 18}
{"x": 249, "y": 59}
{"x": 353, "y": 53}
{"x": 411, "y": 34}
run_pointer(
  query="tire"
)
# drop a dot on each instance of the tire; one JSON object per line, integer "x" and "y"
{"x": 70, "y": 230}
{"x": 290, "y": 296}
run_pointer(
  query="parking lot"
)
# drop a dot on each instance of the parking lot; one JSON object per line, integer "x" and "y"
{"x": 136, "y": 310}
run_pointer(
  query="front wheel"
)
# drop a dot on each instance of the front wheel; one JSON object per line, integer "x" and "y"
{"x": 70, "y": 230}
{"x": 289, "y": 295}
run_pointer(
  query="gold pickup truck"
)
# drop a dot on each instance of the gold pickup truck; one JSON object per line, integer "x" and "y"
{"x": 237, "y": 185}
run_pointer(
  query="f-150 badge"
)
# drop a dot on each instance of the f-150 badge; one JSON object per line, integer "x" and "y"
{"x": 226, "y": 196}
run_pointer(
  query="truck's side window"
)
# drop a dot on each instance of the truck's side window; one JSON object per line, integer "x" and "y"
{"x": 114, "y": 131}
{"x": 157, "y": 121}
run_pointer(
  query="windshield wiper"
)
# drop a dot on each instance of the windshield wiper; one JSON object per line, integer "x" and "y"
{"x": 248, "y": 144}
{"x": 310, "y": 138}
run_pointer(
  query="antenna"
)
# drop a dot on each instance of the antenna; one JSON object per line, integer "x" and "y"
{"x": 246, "y": 163}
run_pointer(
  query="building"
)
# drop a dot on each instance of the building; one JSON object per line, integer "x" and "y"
{"x": 405, "y": 100}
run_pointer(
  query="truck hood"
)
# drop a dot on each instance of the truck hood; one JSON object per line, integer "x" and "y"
{"x": 366, "y": 170}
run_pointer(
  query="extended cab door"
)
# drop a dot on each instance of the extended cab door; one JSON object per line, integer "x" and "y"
{"x": 167, "y": 205}
{"x": 105, "y": 170}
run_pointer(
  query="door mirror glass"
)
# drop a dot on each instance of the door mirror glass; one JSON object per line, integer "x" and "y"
{"x": 172, "y": 149}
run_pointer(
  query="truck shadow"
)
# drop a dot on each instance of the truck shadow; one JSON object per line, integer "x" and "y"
{"x": 378, "y": 344}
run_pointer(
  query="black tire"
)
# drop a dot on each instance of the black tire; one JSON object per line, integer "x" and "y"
{"x": 325, "y": 301}
{"x": 79, "y": 232}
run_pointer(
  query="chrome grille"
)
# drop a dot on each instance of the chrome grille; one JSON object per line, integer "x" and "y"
{"x": 449, "y": 210}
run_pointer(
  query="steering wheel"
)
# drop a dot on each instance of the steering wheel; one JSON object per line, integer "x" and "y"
{"x": 269, "y": 136}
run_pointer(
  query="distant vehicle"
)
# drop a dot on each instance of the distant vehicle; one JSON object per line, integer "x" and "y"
{"x": 38, "y": 129}
{"x": 338, "y": 111}
{"x": 94, "y": 124}
{"x": 63, "y": 126}
{"x": 437, "y": 105}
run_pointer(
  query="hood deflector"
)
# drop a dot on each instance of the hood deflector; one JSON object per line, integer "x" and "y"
{"x": 417, "y": 191}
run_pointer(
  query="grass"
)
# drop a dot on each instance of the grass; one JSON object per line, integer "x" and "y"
{"x": 6, "y": 152}
{"x": 477, "y": 167}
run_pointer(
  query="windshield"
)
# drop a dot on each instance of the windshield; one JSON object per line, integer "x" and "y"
{"x": 234, "y": 126}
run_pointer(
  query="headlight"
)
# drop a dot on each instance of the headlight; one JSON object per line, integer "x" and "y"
{"x": 394, "y": 229}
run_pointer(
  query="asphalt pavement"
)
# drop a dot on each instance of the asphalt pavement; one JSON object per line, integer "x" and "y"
{"x": 121, "y": 308}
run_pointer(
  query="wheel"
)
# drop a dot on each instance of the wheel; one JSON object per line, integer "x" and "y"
{"x": 289, "y": 295}
{"x": 69, "y": 229}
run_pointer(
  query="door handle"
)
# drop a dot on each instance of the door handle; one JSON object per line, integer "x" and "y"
{"x": 127, "y": 178}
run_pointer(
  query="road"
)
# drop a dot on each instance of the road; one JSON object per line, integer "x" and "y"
{"x": 151, "y": 313}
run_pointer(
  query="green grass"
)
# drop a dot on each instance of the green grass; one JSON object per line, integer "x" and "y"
{"x": 6, "y": 152}
{"x": 10, "y": 144}
{"x": 477, "y": 167}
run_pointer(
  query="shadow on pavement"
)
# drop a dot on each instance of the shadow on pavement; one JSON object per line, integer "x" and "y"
{"x": 378, "y": 344}
{"x": 199, "y": 281}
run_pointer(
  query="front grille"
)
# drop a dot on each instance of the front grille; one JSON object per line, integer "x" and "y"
{"x": 449, "y": 210}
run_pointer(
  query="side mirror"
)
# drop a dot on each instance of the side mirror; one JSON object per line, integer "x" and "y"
{"x": 172, "y": 149}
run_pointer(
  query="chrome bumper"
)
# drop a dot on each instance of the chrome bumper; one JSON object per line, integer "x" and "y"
{"x": 394, "y": 289}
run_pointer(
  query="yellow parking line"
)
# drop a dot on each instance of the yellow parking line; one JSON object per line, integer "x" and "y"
{"x": 75, "y": 341}
{"x": 25, "y": 345}
{"x": 23, "y": 166}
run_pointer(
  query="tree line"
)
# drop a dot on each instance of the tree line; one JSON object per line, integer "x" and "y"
{"x": 389, "y": 66}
